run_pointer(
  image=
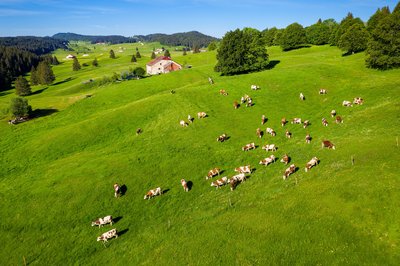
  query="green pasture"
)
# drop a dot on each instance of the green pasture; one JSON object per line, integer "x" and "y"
{"x": 57, "y": 171}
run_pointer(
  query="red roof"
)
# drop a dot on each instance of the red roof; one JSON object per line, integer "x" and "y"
{"x": 158, "y": 59}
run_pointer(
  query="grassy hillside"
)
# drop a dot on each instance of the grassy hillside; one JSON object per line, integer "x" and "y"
{"x": 57, "y": 170}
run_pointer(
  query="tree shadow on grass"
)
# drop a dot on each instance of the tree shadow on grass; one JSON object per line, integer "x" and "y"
{"x": 272, "y": 64}
{"x": 39, "y": 91}
{"x": 42, "y": 112}
{"x": 2, "y": 93}
{"x": 63, "y": 81}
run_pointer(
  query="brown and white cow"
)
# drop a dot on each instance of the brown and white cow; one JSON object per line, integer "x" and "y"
{"x": 108, "y": 235}
{"x": 302, "y": 96}
{"x": 239, "y": 177}
{"x": 250, "y": 146}
{"x": 333, "y": 113}
{"x": 220, "y": 182}
{"x": 269, "y": 147}
{"x": 117, "y": 190}
{"x": 288, "y": 134}
{"x": 324, "y": 122}
{"x": 308, "y": 138}
{"x": 271, "y": 131}
{"x": 254, "y": 87}
{"x": 268, "y": 160}
{"x": 235, "y": 104}
{"x": 328, "y": 144}
{"x": 249, "y": 102}
{"x": 259, "y": 133}
{"x": 190, "y": 119}
{"x": 283, "y": 121}
{"x": 243, "y": 169}
{"x": 233, "y": 183}
{"x": 347, "y": 104}
{"x": 184, "y": 185}
{"x": 296, "y": 120}
{"x": 201, "y": 115}
{"x": 183, "y": 123}
{"x": 311, "y": 163}
{"x": 306, "y": 123}
{"x": 322, "y": 91}
{"x": 242, "y": 99}
{"x": 290, "y": 170}
{"x": 153, "y": 193}
{"x": 223, "y": 92}
{"x": 285, "y": 159}
{"x": 213, "y": 172}
{"x": 338, "y": 119}
{"x": 102, "y": 221}
{"x": 358, "y": 100}
{"x": 263, "y": 119}
{"x": 222, "y": 138}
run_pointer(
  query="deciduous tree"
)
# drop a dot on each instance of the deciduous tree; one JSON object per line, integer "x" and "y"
{"x": 22, "y": 87}
{"x": 19, "y": 107}
{"x": 112, "y": 54}
{"x": 293, "y": 37}
{"x": 354, "y": 39}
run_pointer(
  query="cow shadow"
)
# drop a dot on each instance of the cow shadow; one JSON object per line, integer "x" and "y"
{"x": 123, "y": 189}
{"x": 117, "y": 219}
{"x": 165, "y": 191}
{"x": 123, "y": 232}
{"x": 39, "y": 91}
{"x": 221, "y": 172}
{"x": 42, "y": 112}
{"x": 190, "y": 185}
{"x": 253, "y": 170}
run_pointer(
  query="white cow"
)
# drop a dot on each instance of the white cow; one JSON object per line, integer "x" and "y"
{"x": 183, "y": 123}
{"x": 269, "y": 147}
{"x": 311, "y": 163}
{"x": 255, "y": 87}
{"x": 271, "y": 131}
{"x": 201, "y": 115}
{"x": 244, "y": 169}
{"x": 102, "y": 221}
{"x": 153, "y": 192}
{"x": 108, "y": 235}
{"x": 268, "y": 160}
{"x": 302, "y": 96}
{"x": 347, "y": 104}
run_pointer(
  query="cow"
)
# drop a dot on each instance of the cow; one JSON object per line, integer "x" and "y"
{"x": 108, "y": 235}
{"x": 236, "y": 105}
{"x": 271, "y": 131}
{"x": 249, "y": 102}
{"x": 250, "y": 146}
{"x": 283, "y": 121}
{"x": 338, "y": 119}
{"x": 153, "y": 192}
{"x": 201, "y": 115}
{"x": 254, "y": 87}
{"x": 223, "y": 92}
{"x": 117, "y": 190}
{"x": 268, "y": 160}
{"x": 324, "y": 122}
{"x": 242, "y": 100}
{"x": 243, "y": 169}
{"x": 302, "y": 96}
{"x": 290, "y": 170}
{"x": 190, "y": 119}
{"x": 222, "y": 138}
{"x": 322, "y": 91}
{"x": 233, "y": 183}
{"x": 263, "y": 119}
{"x": 183, "y": 123}
{"x": 333, "y": 113}
{"x": 184, "y": 185}
{"x": 213, "y": 172}
{"x": 328, "y": 144}
{"x": 311, "y": 163}
{"x": 288, "y": 134}
{"x": 102, "y": 221}
{"x": 220, "y": 182}
{"x": 210, "y": 80}
{"x": 285, "y": 159}
{"x": 347, "y": 104}
{"x": 239, "y": 177}
{"x": 269, "y": 147}
{"x": 139, "y": 131}
{"x": 296, "y": 120}
{"x": 308, "y": 138}
{"x": 306, "y": 123}
{"x": 259, "y": 133}
{"x": 358, "y": 100}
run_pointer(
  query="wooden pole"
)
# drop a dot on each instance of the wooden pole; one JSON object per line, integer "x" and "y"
{"x": 352, "y": 160}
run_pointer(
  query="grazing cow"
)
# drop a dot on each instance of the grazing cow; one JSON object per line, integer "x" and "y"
{"x": 263, "y": 119}
{"x": 250, "y": 146}
{"x": 242, "y": 100}
{"x": 288, "y": 134}
{"x": 358, "y": 100}
{"x": 328, "y": 144}
{"x": 283, "y": 121}
{"x": 322, "y": 91}
{"x": 220, "y": 182}
{"x": 210, "y": 80}
{"x": 338, "y": 119}
{"x": 249, "y": 102}
{"x": 213, "y": 172}
{"x": 255, "y": 87}
{"x": 290, "y": 170}
{"x": 311, "y": 163}
{"x": 268, "y": 160}
{"x": 139, "y": 131}
{"x": 117, "y": 190}
{"x": 308, "y": 138}
{"x": 285, "y": 159}
{"x": 102, "y": 221}
{"x": 184, "y": 185}
{"x": 306, "y": 123}
{"x": 201, "y": 115}
{"x": 296, "y": 120}
{"x": 271, "y": 131}
{"x": 333, "y": 113}
{"x": 233, "y": 183}
{"x": 190, "y": 119}
{"x": 108, "y": 235}
{"x": 153, "y": 193}
{"x": 324, "y": 122}
{"x": 222, "y": 138}
{"x": 236, "y": 105}
{"x": 239, "y": 177}
{"x": 223, "y": 92}
{"x": 183, "y": 123}
{"x": 259, "y": 133}
{"x": 243, "y": 169}
{"x": 302, "y": 96}
{"x": 347, "y": 104}
{"x": 269, "y": 147}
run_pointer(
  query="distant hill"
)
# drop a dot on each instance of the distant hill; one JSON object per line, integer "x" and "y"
{"x": 114, "y": 39}
{"x": 36, "y": 45}
{"x": 188, "y": 39}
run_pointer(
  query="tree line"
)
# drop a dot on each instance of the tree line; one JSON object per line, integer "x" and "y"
{"x": 112, "y": 39}
{"x": 187, "y": 39}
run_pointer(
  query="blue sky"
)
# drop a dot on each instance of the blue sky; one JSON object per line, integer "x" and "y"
{"x": 134, "y": 17}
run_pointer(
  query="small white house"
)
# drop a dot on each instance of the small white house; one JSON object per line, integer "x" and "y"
{"x": 70, "y": 56}
{"x": 162, "y": 64}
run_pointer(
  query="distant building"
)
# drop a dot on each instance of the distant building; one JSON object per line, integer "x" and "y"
{"x": 70, "y": 56}
{"x": 162, "y": 64}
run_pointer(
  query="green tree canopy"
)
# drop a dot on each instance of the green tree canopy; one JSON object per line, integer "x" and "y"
{"x": 139, "y": 72}
{"x": 377, "y": 17}
{"x": 22, "y": 87}
{"x": 241, "y": 51}
{"x": 45, "y": 73}
{"x": 95, "y": 63}
{"x": 19, "y": 107}
{"x": 184, "y": 51}
{"x": 355, "y": 39}
{"x": 269, "y": 36}
{"x": 34, "y": 77}
{"x": 196, "y": 49}
{"x": 112, "y": 54}
{"x": 212, "y": 46}
{"x": 138, "y": 54}
{"x": 318, "y": 33}
{"x": 293, "y": 37}
{"x": 346, "y": 23}
{"x": 167, "y": 53}
{"x": 153, "y": 55}
{"x": 75, "y": 65}
{"x": 133, "y": 59}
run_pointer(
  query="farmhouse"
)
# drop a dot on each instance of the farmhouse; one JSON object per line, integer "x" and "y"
{"x": 162, "y": 64}
{"x": 70, "y": 56}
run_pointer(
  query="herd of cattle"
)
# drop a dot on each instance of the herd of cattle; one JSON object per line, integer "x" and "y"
{"x": 241, "y": 171}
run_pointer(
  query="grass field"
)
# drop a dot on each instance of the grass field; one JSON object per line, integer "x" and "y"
{"x": 57, "y": 170}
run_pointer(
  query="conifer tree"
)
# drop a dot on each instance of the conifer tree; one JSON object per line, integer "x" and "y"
{"x": 45, "y": 73}
{"x": 55, "y": 61}
{"x": 138, "y": 54}
{"x": 19, "y": 107}
{"x": 34, "y": 77}
{"x": 22, "y": 87}
{"x": 354, "y": 39}
{"x": 184, "y": 51}
{"x": 75, "y": 65}
{"x": 112, "y": 54}
{"x": 95, "y": 63}
{"x": 166, "y": 53}
{"x": 377, "y": 17}
{"x": 133, "y": 59}
{"x": 153, "y": 55}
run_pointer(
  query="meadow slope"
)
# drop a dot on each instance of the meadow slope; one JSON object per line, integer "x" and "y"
{"x": 58, "y": 169}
